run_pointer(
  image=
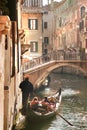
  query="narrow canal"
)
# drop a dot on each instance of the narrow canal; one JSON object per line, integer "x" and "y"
{"x": 73, "y": 107}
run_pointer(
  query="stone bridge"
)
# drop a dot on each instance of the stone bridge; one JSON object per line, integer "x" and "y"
{"x": 38, "y": 73}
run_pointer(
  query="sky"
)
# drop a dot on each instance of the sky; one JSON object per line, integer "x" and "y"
{"x": 45, "y": 1}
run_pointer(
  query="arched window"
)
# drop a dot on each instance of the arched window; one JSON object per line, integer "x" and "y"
{"x": 82, "y": 11}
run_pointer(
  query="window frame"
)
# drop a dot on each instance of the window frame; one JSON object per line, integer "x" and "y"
{"x": 34, "y": 46}
{"x": 45, "y": 25}
{"x": 33, "y": 24}
{"x": 82, "y": 11}
{"x": 46, "y": 40}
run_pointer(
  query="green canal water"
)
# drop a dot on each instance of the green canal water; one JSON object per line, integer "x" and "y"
{"x": 73, "y": 106}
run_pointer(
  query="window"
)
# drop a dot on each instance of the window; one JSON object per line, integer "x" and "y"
{"x": 81, "y": 25}
{"x": 45, "y": 51}
{"x": 45, "y": 25}
{"x": 33, "y": 24}
{"x": 82, "y": 11}
{"x": 34, "y": 46}
{"x": 60, "y": 21}
{"x": 34, "y": 3}
{"x": 45, "y": 12}
{"x": 86, "y": 43}
{"x": 46, "y": 40}
{"x": 86, "y": 21}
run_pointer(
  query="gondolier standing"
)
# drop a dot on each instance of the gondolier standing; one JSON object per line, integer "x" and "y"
{"x": 27, "y": 88}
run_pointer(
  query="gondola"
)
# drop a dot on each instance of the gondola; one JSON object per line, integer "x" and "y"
{"x": 42, "y": 114}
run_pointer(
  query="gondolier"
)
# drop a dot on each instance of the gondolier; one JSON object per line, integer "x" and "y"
{"x": 27, "y": 88}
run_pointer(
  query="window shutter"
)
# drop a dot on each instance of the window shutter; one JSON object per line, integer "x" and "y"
{"x": 29, "y": 23}
{"x": 36, "y": 46}
{"x": 36, "y": 24}
{"x": 45, "y": 25}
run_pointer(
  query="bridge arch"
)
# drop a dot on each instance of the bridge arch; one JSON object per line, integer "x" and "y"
{"x": 48, "y": 70}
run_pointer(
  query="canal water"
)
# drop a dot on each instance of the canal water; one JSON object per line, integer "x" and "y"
{"x": 73, "y": 106}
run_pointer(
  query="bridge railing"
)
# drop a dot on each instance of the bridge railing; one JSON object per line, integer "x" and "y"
{"x": 52, "y": 57}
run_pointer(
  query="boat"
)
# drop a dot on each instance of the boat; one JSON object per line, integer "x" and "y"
{"x": 41, "y": 113}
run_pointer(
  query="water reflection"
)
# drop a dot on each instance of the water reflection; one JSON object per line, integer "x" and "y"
{"x": 73, "y": 107}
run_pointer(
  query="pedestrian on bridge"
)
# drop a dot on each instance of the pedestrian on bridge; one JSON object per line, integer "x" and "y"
{"x": 27, "y": 88}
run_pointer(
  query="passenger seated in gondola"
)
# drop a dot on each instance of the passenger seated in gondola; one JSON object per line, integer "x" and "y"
{"x": 34, "y": 103}
{"x": 52, "y": 102}
{"x": 46, "y": 104}
{"x": 46, "y": 100}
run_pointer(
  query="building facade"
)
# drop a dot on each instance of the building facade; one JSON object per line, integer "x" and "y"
{"x": 9, "y": 74}
{"x": 48, "y": 29}
{"x": 60, "y": 25}
{"x": 83, "y": 27}
{"x": 32, "y": 25}
{"x": 68, "y": 23}
{"x": 38, "y": 23}
{"x": 10, "y": 70}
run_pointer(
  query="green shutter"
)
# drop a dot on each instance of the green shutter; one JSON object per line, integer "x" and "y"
{"x": 36, "y": 46}
{"x": 29, "y": 23}
{"x": 36, "y": 23}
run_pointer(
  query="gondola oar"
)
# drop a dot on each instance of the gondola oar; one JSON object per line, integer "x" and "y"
{"x": 69, "y": 122}
{"x": 64, "y": 118}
